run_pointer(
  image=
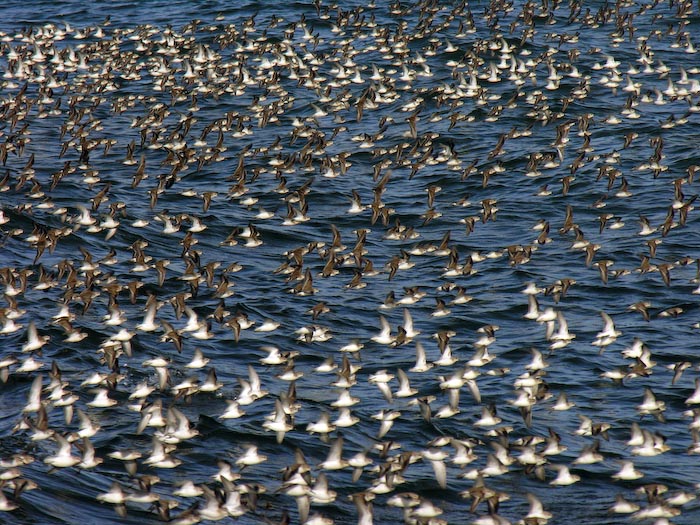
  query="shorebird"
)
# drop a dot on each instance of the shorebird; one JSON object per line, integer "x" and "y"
{"x": 390, "y": 123}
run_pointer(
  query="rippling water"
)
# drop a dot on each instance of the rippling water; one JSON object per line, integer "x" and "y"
{"x": 597, "y": 122}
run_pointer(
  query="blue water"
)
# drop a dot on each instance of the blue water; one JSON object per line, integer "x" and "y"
{"x": 453, "y": 131}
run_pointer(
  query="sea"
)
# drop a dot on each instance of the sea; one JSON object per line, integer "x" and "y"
{"x": 495, "y": 147}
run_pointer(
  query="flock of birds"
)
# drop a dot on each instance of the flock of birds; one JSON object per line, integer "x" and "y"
{"x": 198, "y": 223}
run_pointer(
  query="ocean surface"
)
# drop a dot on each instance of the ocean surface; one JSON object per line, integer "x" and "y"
{"x": 200, "y": 160}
